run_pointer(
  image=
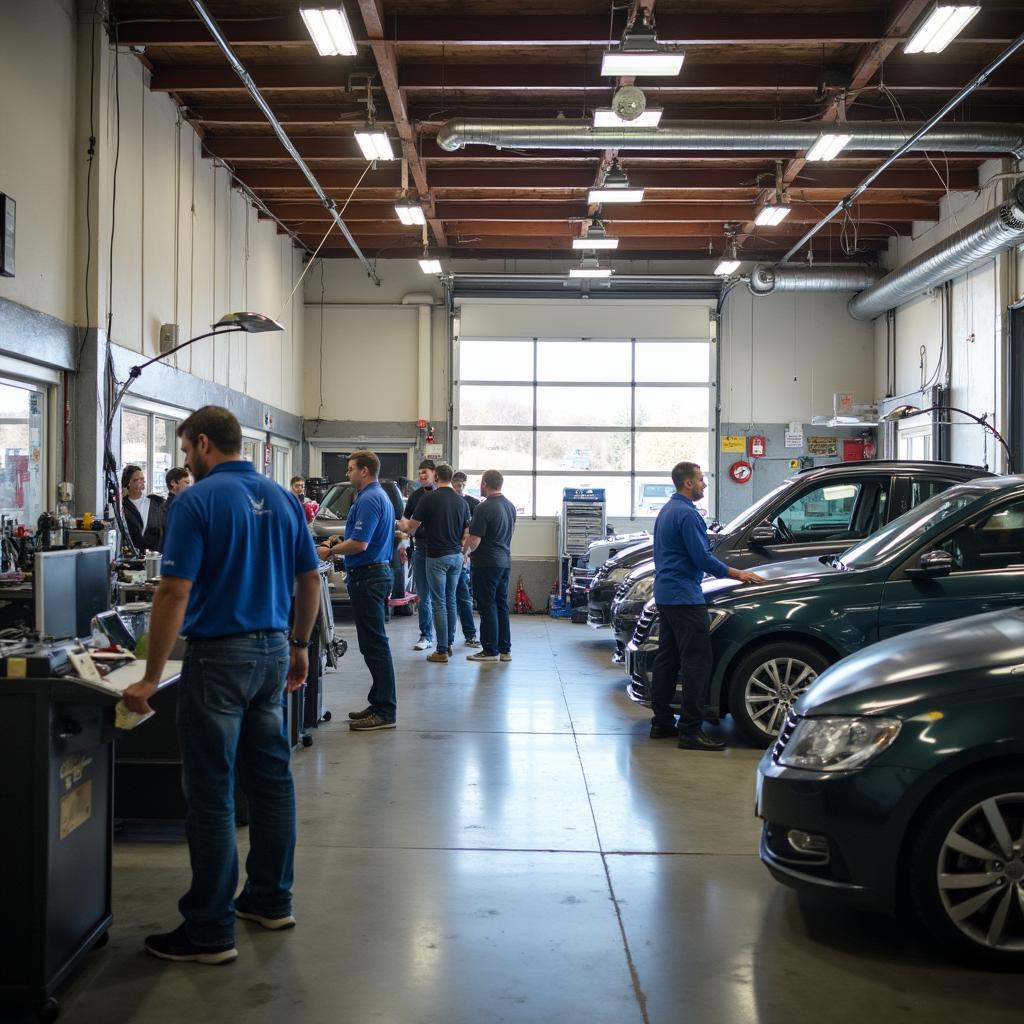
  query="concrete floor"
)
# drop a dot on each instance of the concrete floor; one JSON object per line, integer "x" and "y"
{"x": 519, "y": 851}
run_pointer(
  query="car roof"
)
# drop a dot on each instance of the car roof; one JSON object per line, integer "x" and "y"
{"x": 960, "y": 469}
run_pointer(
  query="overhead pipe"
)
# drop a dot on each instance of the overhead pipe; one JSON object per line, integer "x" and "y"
{"x": 281, "y": 134}
{"x": 766, "y": 279}
{"x": 998, "y": 229}
{"x": 724, "y": 135}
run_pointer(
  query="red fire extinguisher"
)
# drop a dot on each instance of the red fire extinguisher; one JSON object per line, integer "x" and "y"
{"x": 523, "y": 606}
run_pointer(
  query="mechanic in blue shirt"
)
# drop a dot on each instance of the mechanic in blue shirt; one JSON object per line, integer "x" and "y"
{"x": 236, "y": 548}
{"x": 367, "y": 547}
{"x": 682, "y": 557}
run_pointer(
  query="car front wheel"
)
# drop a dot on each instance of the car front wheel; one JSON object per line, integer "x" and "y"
{"x": 967, "y": 871}
{"x": 767, "y": 683}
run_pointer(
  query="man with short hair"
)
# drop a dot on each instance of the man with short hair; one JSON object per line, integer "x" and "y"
{"x": 367, "y": 549}
{"x": 489, "y": 543}
{"x": 419, "y": 556}
{"x": 176, "y": 479}
{"x": 682, "y": 557}
{"x": 236, "y": 547}
{"x": 464, "y": 594}
{"x": 446, "y": 517}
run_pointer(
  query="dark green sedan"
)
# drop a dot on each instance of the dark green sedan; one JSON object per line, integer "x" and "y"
{"x": 897, "y": 782}
{"x": 956, "y": 554}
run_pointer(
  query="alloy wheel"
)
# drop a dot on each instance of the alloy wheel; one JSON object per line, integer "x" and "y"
{"x": 980, "y": 873}
{"x": 773, "y": 688}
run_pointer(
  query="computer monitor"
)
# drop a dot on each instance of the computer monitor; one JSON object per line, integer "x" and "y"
{"x": 69, "y": 588}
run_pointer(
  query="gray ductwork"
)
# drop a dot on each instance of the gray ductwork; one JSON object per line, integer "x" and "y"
{"x": 998, "y": 229}
{"x": 725, "y": 135}
{"x": 766, "y": 279}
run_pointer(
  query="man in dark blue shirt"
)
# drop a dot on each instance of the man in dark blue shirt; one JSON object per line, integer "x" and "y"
{"x": 236, "y": 547}
{"x": 682, "y": 557}
{"x": 367, "y": 547}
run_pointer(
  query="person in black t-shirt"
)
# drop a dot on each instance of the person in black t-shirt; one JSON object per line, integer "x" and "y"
{"x": 490, "y": 544}
{"x": 464, "y": 595}
{"x": 446, "y": 517}
{"x": 419, "y": 557}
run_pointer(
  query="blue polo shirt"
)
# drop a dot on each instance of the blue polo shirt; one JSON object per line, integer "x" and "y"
{"x": 682, "y": 554}
{"x": 372, "y": 519}
{"x": 241, "y": 539}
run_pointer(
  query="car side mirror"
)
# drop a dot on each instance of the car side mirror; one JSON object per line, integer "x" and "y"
{"x": 933, "y": 564}
{"x": 762, "y": 536}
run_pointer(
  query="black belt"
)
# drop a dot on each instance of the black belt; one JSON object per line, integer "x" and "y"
{"x": 258, "y": 634}
{"x": 366, "y": 568}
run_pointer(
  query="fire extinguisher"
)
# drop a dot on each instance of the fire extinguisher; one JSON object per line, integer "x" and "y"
{"x": 523, "y": 606}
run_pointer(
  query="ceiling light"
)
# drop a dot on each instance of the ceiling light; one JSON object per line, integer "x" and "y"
{"x": 772, "y": 213}
{"x": 727, "y": 267}
{"x": 940, "y": 27}
{"x": 640, "y": 54}
{"x": 429, "y": 266}
{"x": 606, "y": 118}
{"x": 595, "y": 237}
{"x": 375, "y": 144}
{"x": 615, "y": 188}
{"x": 410, "y": 213}
{"x": 590, "y": 268}
{"x": 331, "y": 32}
{"x": 828, "y": 146}
{"x": 729, "y": 263}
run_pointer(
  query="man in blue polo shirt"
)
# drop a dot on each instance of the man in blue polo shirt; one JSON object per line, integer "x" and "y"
{"x": 682, "y": 556}
{"x": 367, "y": 547}
{"x": 236, "y": 547}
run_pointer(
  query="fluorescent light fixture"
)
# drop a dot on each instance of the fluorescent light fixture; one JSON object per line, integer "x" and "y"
{"x": 616, "y": 195}
{"x": 727, "y": 267}
{"x": 330, "y": 30}
{"x": 771, "y": 214}
{"x": 595, "y": 243}
{"x": 828, "y": 146}
{"x": 374, "y": 144}
{"x": 639, "y": 64}
{"x": 590, "y": 272}
{"x": 606, "y": 118}
{"x": 410, "y": 213}
{"x": 429, "y": 266}
{"x": 940, "y": 27}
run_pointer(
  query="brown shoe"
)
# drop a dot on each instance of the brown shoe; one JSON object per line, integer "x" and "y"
{"x": 356, "y": 716}
{"x": 438, "y": 658}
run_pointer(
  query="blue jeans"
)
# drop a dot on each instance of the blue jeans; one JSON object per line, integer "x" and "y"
{"x": 464, "y": 599}
{"x": 368, "y": 592}
{"x": 230, "y": 706}
{"x": 490, "y": 587}
{"x": 443, "y": 574}
{"x": 419, "y": 574}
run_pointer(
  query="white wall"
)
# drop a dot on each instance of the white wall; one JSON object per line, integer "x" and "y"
{"x": 785, "y": 356}
{"x": 955, "y": 335}
{"x": 37, "y": 160}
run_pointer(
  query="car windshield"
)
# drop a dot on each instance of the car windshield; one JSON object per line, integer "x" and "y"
{"x": 753, "y": 512}
{"x": 908, "y": 528}
{"x": 337, "y": 502}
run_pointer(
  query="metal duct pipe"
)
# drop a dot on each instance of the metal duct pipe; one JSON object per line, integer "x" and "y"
{"x": 766, "y": 279}
{"x": 724, "y": 135}
{"x": 1002, "y": 227}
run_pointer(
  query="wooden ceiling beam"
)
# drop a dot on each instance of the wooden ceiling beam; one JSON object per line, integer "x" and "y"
{"x": 372, "y": 12}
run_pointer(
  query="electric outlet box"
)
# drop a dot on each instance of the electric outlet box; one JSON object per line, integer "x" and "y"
{"x": 168, "y": 337}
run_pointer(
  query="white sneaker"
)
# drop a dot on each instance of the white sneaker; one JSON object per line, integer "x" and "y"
{"x": 505, "y": 657}
{"x": 422, "y": 644}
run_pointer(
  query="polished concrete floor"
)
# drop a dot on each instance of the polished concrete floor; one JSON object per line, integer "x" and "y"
{"x": 519, "y": 851}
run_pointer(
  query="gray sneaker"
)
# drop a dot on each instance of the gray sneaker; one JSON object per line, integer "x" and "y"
{"x": 371, "y": 723}
{"x": 473, "y": 642}
{"x": 481, "y": 656}
{"x": 357, "y": 716}
{"x": 505, "y": 657}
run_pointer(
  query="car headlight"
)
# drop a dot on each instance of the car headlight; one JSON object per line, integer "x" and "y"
{"x": 643, "y": 590}
{"x": 716, "y": 616}
{"x": 655, "y": 631}
{"x": 619, "y": 574}
{"x": 838, "y": 744}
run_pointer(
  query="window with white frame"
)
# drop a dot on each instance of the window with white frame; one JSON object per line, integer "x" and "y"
{"x": 149, "y": 440}
{"x": 23, "y": 450}
{"x": 282, "y": 464}
{"x": 551, "y": 413}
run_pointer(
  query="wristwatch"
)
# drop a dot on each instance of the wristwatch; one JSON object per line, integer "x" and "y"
{"x": 295, "y": 642}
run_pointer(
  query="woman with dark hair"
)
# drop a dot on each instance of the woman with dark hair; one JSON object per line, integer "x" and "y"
{"x": 144, "y": 514}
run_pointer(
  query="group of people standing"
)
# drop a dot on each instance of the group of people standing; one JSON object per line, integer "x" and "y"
{"x": 461, "y": 548}
{"x": 145, "y": 514}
